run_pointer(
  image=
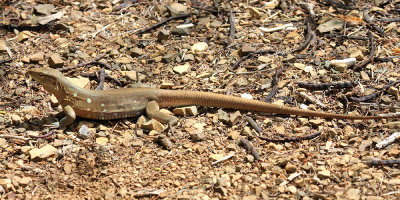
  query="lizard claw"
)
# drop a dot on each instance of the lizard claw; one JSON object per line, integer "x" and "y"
{"x": 54, "y": 125}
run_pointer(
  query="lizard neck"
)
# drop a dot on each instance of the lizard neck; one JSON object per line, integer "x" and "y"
{"x": 62, "y": 88}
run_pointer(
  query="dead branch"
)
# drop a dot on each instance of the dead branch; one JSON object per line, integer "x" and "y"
{"x": 183, "y": 16}
{"x": 371, "y": 52}
{"x": 82, "y": 64}
{"x": 250, "y": 148}
{"x": 291, "y": 139}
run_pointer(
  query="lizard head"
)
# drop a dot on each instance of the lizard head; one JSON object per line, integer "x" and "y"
{"x": 49, "y": 78}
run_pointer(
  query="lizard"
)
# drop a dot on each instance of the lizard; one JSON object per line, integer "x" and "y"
{"x": 132, "y": 102}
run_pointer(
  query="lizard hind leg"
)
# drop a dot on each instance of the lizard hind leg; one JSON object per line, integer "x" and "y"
{"x": 153, "y": 111}
{"x": 70, "y": 117}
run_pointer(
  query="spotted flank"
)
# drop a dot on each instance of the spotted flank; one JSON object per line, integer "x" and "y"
{"x": 89, "y": 100}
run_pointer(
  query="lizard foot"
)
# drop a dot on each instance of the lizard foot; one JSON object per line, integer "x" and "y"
{"x": 55, "y": 125}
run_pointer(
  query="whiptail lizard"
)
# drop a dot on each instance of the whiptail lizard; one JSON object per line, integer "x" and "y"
{"x": 131, "y": 102}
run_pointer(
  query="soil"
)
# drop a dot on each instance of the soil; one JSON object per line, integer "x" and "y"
{"x": 331, "y": 56}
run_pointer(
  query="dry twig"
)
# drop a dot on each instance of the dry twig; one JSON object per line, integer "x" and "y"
{"x": 371, "y": 52}
{"x": 371, "y": 23}
{"x": 163, "y": 22}
{"x": 250, "y": 148}
{"x": 291, "y": 139}
{"x": 82, "y": 64}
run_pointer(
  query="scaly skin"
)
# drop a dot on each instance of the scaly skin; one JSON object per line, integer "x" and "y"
{"x": 131, "y": 102}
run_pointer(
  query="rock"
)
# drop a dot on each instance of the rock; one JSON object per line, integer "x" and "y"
{"x": 3, "y": 142}
{"x": 290, "y": 168}
{"x": 68, "y": 168}
{"x": 283, "y": 162}
{"x": 341, "y": 67}
{"x": 163, "y": 35}
{"x": 84, "y": 132}
{"x": 3, "y": 46}
{"x": 324, "y": 174}
{"x": 6, "y": 183}
{"x": 55, "y": 61}
{"x": 188, "y": 57}
{"x": 234, "y": 135}
{"x": 169, "y": 57}
{"x": 16, "y": 119}
{"x": 292, "y": 189}
{"x": 183, "y": 196}
{"x": 300, "y": 66}
{"x": 131, "y": 75}
{"x": 330, "y": 26}
{"x": 44, "y": 9}
{"x": 249, "y": 158}
{"x": 199, "y": 47}
{"x": 137, "y": 143}
{"x": 290, "y": 58}
{"x": 177, "y": 9}
{"x": 394, "y": 182}
{"x": 43, "y": 152}
{"x": 255, "y": 14}
{"x": 264, "y": 59}
{"x": 353, "y": 194}
{"x": 24, "y": 35}
{"x": 386, "y": 100}
{"x": 25, "y": 149}
{"x": 269, "y": 5}
{"x": 181, "y": 31}
{"x": 216, "y": 23}
{"x": 25, "y": 59}
{"x": 166, "y": 85}
{"x": 197, "y": 135}
{"x": 124, "y": 60}
{"x": 19, "y": 91}
{"x": 165, "y": 142}
{"x": 252, "y": 197}
{"x": 357, "y": 54}
{"x": 223, "y": 116}
{"x": 234, "y": 118}
{"x": 246, "y": 49}
{"x": 242, "y": 81}
{"x": 59, "y": 143}
{"x": 364, "y": 76}
{"x": 365, "y": 144}
{"x": 152, "y": 125}
{"x": 186, "y": 111}
{"x": 102, "y": 141}
{"x": 276, "y": 147}
{"x": 80, "y": 81}
{"x": 393, "y": 91}
{"x": 348, "y": 130}
{"x": 222, "y": 182}
{"x": 136, "y": 52}
{"x": 37, "y": 57}
{"x": 374, "y": 198}
{"x": 182, "y": 69}
{"x": 219, "y": 189}
{"x": 316, "y": 122}
{"x": 215, "y": 157}
{"x": 25, "y": 181}
{"x": 393, "y": 152}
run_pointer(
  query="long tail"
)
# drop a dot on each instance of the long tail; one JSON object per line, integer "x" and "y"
{"x": 185, "y": 97}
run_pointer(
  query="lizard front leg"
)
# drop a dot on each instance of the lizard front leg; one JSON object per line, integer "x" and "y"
{"x": 70, "y": 117}
{"x": 153, "y": 111}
